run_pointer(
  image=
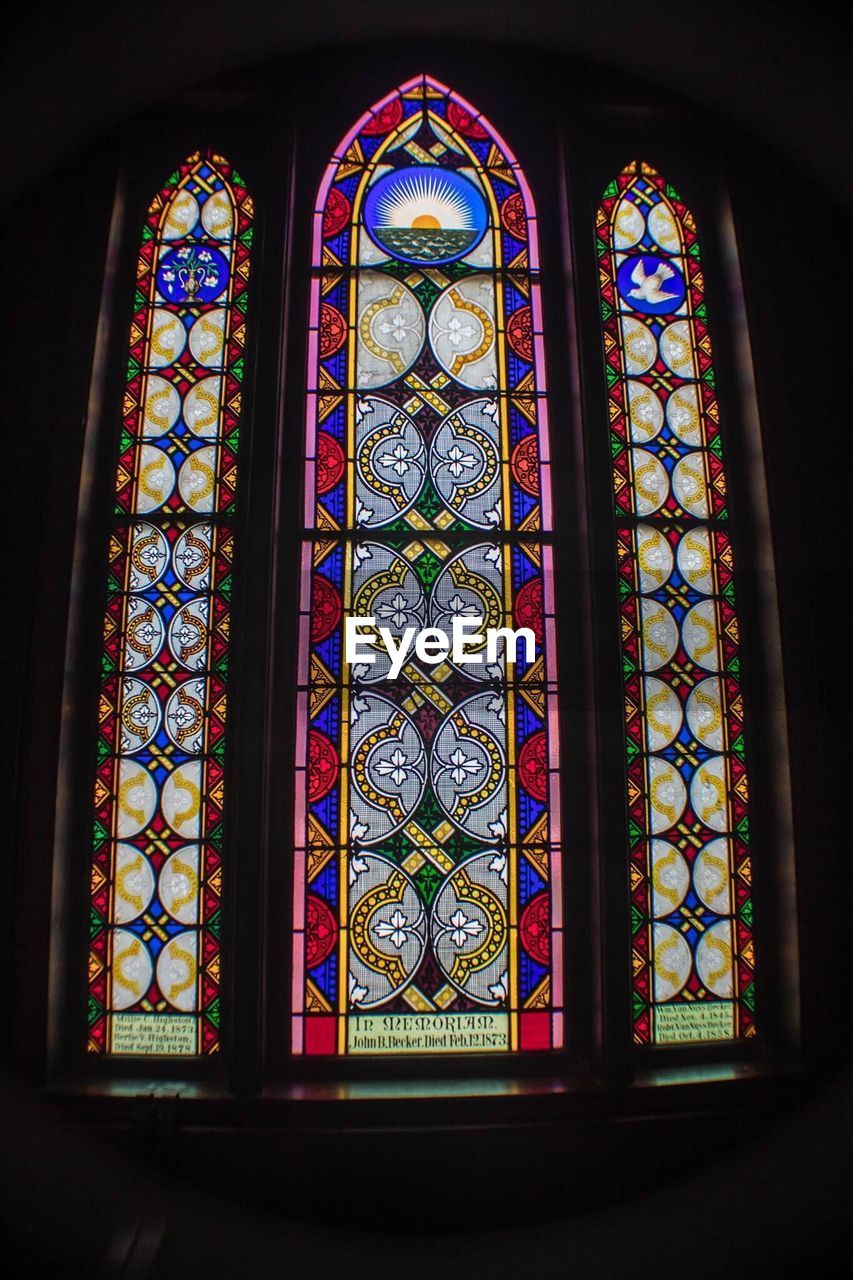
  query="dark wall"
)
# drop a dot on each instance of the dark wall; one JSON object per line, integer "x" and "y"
{"x": 72, "y": 83}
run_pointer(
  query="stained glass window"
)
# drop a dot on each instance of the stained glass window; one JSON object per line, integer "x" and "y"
{"x": 156, "y": 874}
{"x": 687, "y": 797}
{"x": 427, "y": 903}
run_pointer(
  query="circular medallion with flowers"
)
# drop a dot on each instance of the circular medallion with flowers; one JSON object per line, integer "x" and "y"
{"x": 195, "y": 273}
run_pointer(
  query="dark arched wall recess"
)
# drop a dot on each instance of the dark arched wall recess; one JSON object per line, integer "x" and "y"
{"x": 53, "y": 404}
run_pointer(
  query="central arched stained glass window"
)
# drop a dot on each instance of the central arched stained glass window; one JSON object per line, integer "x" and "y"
{"x": 427, "y": 903}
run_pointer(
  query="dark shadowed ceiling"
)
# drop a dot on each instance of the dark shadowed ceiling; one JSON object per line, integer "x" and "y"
{"x": 780, "y": 69}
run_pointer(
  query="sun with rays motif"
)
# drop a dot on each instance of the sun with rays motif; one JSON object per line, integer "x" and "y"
{"x": 424, "y": 200}
{"x": 425, "y": 215}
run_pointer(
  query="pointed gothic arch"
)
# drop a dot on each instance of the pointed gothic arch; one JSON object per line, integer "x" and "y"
{"x": 428, "y": 890}
{"x": 687, "y": 797}
{"x": 156, "y": 871}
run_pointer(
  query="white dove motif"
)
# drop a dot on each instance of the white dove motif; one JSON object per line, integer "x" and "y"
{"x": 649, "y": 287}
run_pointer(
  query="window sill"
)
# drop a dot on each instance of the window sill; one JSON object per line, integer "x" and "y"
{"x": 678, "y": 1081}
{"x": 576, "y": 1142}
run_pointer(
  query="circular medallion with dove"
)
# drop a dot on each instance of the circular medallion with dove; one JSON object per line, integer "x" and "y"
{"x": 651, "y": 285}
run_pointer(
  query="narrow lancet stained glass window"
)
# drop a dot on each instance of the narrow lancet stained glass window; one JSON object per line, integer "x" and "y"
{"x": 154, "y": 962}
{"x": 427, "y": 905}
{"x": 687, "y": 797}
